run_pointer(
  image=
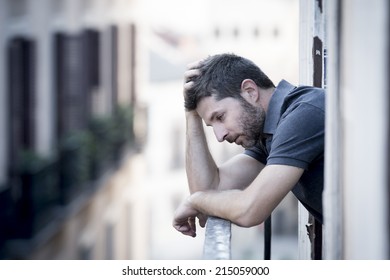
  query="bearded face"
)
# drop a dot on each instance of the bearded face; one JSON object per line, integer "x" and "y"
{"x": 233, "y": 120}
{"x": 251, "y": 122}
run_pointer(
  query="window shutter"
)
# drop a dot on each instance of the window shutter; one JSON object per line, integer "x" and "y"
{"x": 72, "y": 109}
{"x": 21, "y": 53}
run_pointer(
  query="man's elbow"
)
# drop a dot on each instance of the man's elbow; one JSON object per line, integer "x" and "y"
{"x": 248, "y": 219}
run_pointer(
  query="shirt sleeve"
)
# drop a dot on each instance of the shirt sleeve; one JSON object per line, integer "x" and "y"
{"x": 299, "y": 137}
{"x": 257, "y": 153}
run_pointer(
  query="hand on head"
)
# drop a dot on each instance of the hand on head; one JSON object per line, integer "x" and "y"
{"x": 191, "y": 72}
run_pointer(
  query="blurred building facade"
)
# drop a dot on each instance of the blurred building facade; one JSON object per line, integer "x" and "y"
{"x": 68, "y": 101}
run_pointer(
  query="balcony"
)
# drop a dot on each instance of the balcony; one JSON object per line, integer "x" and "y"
{"x": 218, "y": 235}
{"x": 43, "y": 192}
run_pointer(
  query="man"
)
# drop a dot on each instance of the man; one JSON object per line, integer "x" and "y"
{"x": 281, "y": 129}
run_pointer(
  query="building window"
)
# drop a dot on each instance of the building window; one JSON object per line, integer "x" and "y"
{"x": 77, "y": 67}
{"x": 256, "y": 32}
{"x": 236, "y": 32}
{"x": 21, "y": 96}
{"x": 217, "y": 32}
{"x": 114, "y": 66}
{"x": 276, "y": 32}
{"x": 70, "y": 83}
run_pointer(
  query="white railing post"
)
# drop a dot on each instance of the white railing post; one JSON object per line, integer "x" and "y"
{"x": 217, "y": 244}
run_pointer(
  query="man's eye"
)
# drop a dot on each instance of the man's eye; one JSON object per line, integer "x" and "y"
{"x": 220, "y": 117}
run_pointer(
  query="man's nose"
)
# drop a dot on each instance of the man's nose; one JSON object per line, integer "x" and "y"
{"x": 220, "y": 132}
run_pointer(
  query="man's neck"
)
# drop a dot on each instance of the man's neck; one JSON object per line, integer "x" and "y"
{"x": 265, "y": 97}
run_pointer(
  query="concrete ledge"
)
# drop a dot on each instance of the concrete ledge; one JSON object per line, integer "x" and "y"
{"x": 217, "y": 244}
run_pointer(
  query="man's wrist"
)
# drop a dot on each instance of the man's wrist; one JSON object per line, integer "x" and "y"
{"x": 193, "y": 199}
{"x": 192, "y": 114}
{"x": 194, "y": 121}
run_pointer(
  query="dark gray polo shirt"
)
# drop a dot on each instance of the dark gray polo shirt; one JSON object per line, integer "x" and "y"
{"x": 295, "y": 129}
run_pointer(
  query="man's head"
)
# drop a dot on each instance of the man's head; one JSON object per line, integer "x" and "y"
{"x": 222, "y": 76}
{"x": 226, "y": 94}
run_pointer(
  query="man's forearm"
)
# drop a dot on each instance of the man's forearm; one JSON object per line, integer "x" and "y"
{"x": 202, "y": 172}
{"x": 252, "y": 205}
{"x": 230, "y": 205}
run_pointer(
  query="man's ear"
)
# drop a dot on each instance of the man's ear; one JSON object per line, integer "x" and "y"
{"x": 250, "y": 91}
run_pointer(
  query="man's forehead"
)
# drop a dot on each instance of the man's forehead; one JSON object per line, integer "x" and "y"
{"x": 205, "y": 106}
{"x": 209, "y": 106}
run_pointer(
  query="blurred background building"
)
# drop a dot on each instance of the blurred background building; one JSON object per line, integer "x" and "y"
{"x": 92, "y": 153}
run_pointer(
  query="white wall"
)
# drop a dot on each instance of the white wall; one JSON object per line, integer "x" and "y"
{"x": 365, "y": 122}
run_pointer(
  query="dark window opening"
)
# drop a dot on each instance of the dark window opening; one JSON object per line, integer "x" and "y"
{"x": 21, "y": 96}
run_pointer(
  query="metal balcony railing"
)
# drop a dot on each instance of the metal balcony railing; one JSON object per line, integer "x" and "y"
{"x": 217, "y": 244}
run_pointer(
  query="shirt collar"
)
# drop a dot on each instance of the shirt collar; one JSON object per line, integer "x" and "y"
{"x": 275, "y": 104}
